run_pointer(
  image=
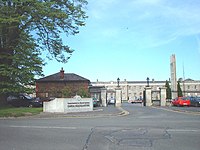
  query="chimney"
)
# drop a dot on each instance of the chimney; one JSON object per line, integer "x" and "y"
{"x": 62, "y": 73}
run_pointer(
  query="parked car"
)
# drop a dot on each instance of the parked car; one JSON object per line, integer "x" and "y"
{"x": 95, "y": 102}
{"x": 111, "y": 100}
{"x": 23, "y": 100}
{"x": 135, "y": 101}
{"x": 194, "y": 101}
{"x": 181, "y": 101}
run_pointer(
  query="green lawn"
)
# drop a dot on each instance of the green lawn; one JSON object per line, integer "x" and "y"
{"x": 18, "y": 112}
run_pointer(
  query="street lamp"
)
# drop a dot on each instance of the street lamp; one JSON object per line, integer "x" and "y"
{"x": 118, "y": 80}
{"x": 147, "y": 81}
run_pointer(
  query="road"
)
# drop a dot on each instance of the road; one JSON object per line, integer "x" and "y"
{"x": 145, "y": 128}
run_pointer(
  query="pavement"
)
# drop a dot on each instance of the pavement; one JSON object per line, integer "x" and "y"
{"x": 108, "y": 111}
{"x": 184, "y": 110}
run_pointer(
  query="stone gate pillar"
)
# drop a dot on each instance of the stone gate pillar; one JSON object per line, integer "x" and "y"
{"x": 104, "y": 97}
{"x": 148, "y": 96}
{"x": 163, "y": 96}
{"x": 118, "y": 97}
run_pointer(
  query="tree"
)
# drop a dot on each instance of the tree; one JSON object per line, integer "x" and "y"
{"x": 66, "y": 91}
{"x": 17, "y": 71}
{"x": 168, "y": 90}
{"x": 44, "y": 20}
{"x": 28, "y": 27}
{"x": 180, "y": 93}
{"x": 83, "y": 92}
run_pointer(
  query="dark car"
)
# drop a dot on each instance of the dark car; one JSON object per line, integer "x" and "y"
{"x": 194, "y": 101}
{"x": 23, "y": 100}
{"x": 95, "y": 102}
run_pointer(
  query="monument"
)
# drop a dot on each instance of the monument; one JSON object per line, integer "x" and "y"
{"x": 173, "y": 76}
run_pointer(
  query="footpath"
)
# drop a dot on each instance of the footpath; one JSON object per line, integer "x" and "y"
{"x": 108, "y": 111}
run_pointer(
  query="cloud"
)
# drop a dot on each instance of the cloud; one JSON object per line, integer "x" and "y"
{"x": 150, "y": 23}
{"x": 98, "y": 9}
{"x": 110, "y": 33}
{"x": 198, "y": 42}
{"x": 164, "y": 21}
{"x": 147, "y": 2}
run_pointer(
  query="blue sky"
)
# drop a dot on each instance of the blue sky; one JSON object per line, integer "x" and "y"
{"x": 134, "y": 39}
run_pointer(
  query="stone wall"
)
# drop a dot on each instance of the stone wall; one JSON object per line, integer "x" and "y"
{"x": 66, "y": 105}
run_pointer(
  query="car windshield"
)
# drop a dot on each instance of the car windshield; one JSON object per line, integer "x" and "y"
{"x": 197, "y": 99}
{"x": 28, "y": 97}
{"x": 185, "y": 98}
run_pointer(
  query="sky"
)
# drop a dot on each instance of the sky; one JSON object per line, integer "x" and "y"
{"x": 133, "y": 40}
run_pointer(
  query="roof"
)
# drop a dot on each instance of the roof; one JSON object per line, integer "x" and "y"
{"x": 67, "y": 78}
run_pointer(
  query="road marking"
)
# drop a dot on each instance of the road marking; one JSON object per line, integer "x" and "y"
{"x": 183, "y": 130}
{"x": 43, "y": 127}
{"x": 178, "y": 111}
{"x": 123, "y": 112}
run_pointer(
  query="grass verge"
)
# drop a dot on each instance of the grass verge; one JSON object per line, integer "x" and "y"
{"x": 19, "y": 112}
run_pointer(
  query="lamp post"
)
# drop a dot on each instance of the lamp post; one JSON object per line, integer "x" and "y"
{"x": 147, "y": 81}
{"x": 118, "y": 80}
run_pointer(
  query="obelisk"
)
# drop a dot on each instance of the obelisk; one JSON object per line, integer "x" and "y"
{"x": 173, "y": 76}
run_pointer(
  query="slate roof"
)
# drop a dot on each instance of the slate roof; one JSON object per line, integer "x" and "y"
{"x": 67, "y": 78}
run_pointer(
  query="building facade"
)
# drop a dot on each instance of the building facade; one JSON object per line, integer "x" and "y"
{"x": 62, "y": 85}
{"x": 133, "y": 90}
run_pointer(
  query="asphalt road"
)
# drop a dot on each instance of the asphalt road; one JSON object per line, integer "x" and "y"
{"x": 145, "y": 128}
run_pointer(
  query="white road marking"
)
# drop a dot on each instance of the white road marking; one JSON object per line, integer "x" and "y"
{"x": 183, "y": 130}
{"x": 43, "y": 127}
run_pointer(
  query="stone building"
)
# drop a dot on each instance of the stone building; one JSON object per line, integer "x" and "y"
{"x": 62, "y": 85}
{"x": 133, "y": 90}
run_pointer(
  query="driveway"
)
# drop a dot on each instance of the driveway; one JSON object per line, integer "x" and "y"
{"x": 144, "y": 128}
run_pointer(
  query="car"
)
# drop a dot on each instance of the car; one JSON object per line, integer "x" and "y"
{"x": 181, "y": 101}
{"x": 95, "y": 102}
{"x": 111, "y": 100}
{"x": 23, "y": 100}
{"x": 135, "y": 101}
{"x": 194, "y": 101}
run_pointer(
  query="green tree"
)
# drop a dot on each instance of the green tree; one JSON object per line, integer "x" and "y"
{"x": 83, "y": 92}
{"x": 18, "y": 70}
{"x": 180, "y": 93}
{"x": 28, "y": 27}
{"x": 66, "y": 92}
{"x": 168, "y": 90}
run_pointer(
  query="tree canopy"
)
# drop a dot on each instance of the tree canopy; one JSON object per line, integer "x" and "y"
{"x": 28, "y": 27}
{"x": 168, "y": 90}
{"x": 179, "y": 90}
{"x": 44, "y": 21}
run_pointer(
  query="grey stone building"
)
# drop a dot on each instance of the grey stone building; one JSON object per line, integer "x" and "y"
{"x": 132, "y": 90}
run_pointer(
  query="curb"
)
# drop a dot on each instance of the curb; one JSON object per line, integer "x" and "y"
{"x": 71, "y": 115}
{"x": 178, "y": 111}
{"x": 123, "y": 112}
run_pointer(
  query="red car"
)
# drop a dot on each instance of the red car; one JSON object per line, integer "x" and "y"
{"x": 181, "y": 101}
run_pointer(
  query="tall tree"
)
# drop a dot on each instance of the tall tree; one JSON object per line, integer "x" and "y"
{"x": 44, "y": 20}
{"x": 18, "y": 70}
{"x": 179, "y": 90}
{"x": 168, "y": 90}
{"x": 28, "y": 27}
